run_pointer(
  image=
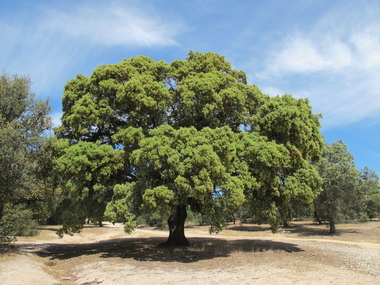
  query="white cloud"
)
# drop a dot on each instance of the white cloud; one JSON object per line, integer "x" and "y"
{"x": 367, "y": 45}
{"x": 337, "y": 54}
{"x": 111, "y": 25}
{"x": 52, "y": 45}
{"x": 272, "y": 91}
{"x": 339, "y": 73}
{"x": 301, "y": 54}
{"x": 298, "y": 55}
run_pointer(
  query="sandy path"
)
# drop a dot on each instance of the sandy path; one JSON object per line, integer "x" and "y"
{"x": 24, "y": 269}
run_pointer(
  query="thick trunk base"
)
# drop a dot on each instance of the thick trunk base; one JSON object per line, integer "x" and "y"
{"x": 171, "y": 242}
{"x": 317, "y": 219}
{"x": 332, "y": 227}
{"x": 176, "y": 224}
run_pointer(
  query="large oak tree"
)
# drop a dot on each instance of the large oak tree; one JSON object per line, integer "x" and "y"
{"x": 193, "y": 135}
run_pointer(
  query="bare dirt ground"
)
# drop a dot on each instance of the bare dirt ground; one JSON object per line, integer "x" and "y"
{"x": 242, "y": 254}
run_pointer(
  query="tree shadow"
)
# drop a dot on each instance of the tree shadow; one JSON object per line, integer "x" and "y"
{"x": 55, "y": 228}
{"x": 253, "y": 228}
{"x": 52, "y": 228}
{"x": 147, "y": 249}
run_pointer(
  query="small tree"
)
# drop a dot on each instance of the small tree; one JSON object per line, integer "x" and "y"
{"x": 342, "y": 198}
{"x": 371, "y": 187}
{"x": 23, "y": 125}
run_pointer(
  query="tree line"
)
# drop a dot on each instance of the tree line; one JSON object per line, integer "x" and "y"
{"x": 143, "y": 138}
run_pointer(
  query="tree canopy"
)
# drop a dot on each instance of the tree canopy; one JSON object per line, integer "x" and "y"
{"x": 369, "y": 182}
{"x": 193, "y": 134}
{"x": 343, "y": 198}
{"x": 23, "y": 125}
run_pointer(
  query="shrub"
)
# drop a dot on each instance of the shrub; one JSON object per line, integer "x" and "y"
{"x": 17, "y": 221}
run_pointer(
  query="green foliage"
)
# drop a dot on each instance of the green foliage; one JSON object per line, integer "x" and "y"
{"x": 282, "y": 172}
{"x": 176, "y": 133}
{"x": 24, "y": 122}
{"x": 371, "y": 187}
{"x": 290, "y": 122}
{"x": 87, "y": 169}
{"x": 207, "y": 92}
{"x": 373, "y": 205}
{"x": 342, "y": 198}
{"x": 119, "y": 209}
{"x": 301, "y": 210}
{"x": 16, "y": 221}
{"x": 43, "y": 197}
{"x": 131, "y": 93}
{"x": 187, "y": 166}
{"x": 194, "y": 218}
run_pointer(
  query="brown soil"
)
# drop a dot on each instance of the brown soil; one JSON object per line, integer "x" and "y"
{"x": 242, "y": 254}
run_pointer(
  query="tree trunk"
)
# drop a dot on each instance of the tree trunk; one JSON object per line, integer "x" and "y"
{"x": 332, "y": 226}
{"x": 317, "y": 218}
{"x": 176, "y": 224}
{"x": 1, "y": 210}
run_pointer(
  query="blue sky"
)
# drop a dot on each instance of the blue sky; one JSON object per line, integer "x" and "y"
{"x": 328, "y": 51}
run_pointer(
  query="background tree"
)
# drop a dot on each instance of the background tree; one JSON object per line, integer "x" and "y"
{"x": 43, "y": 196}
{"x": 179, "y": 127}
{"x": 24, "y": 122}
{"x": 369, "y": 181}
{"x": 342, "y": 198}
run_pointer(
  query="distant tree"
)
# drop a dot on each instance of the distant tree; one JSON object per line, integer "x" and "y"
{"x": 178, "y": 128}
{"x": 24, "y": 122}
{"x": 342, "y": 198}
{"x": 45, "y": 200}
{"x": 301, "y": 210}
{"x": 371, "y": 187}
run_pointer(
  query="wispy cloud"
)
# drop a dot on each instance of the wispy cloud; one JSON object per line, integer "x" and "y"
{"x": 340, "y": 71}
{"x": 367, "y": 47}
{"x": 302, "y": 54}
{"x": 272, "y": 91}
{"x": 374, "y": 153}
{"x": 51, "y": 44}
{"x": 110, "y": 25}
